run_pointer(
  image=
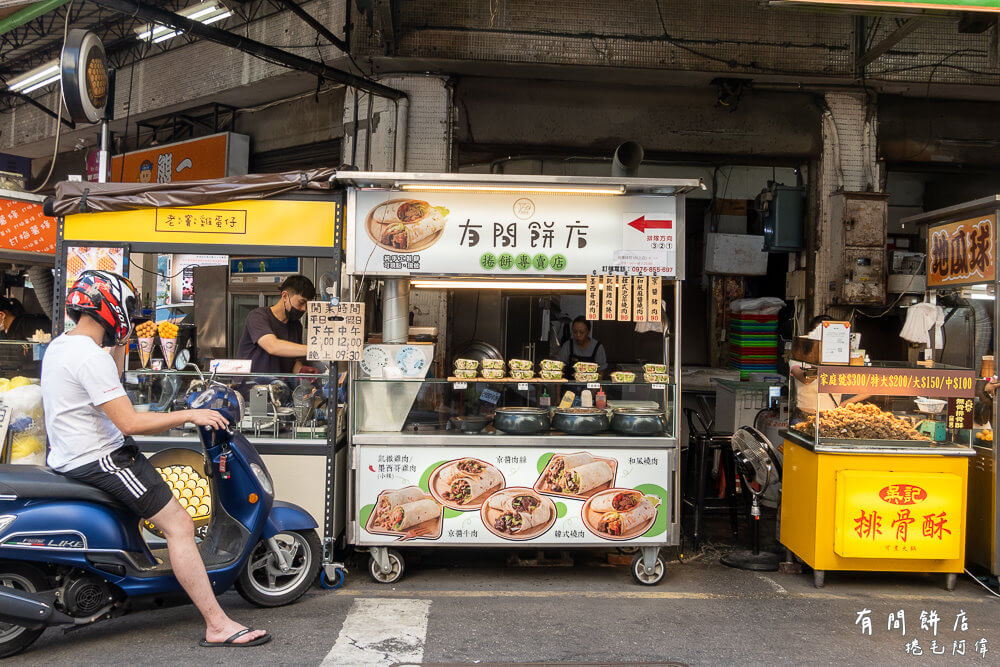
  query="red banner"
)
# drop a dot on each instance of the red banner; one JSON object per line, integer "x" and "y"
{"x": 24, "y": 227}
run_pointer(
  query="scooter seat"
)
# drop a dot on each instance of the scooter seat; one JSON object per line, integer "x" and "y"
{"x": 42, "y": 482}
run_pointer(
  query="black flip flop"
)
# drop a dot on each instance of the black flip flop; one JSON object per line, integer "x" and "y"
{"x": 231, "y": 642}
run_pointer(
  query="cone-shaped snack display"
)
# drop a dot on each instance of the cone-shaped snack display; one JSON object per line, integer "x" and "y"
{"x": 168, "y": 341}
{"x": 145, "y": 332}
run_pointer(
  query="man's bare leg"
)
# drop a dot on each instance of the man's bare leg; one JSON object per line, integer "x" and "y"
{"x": 178, "y": 528}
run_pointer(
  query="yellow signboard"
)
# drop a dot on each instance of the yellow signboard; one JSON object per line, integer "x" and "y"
{"x": 267, "y": 222}
{"x": 883, "y": 514}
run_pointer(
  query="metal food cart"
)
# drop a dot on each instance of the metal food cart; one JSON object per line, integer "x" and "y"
{"x": 426, "y": 468}
{"x": 962, "y": 255}
{"x": 275, "y": 215}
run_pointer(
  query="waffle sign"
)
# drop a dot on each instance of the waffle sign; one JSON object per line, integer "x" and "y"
{"x": 961, "y": 253}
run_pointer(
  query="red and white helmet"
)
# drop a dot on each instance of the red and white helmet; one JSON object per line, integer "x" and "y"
{"x": 107, "y": 297}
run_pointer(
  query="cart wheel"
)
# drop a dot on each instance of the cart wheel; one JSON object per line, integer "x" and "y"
{"x": 393, "y": 575}
{"x": 950, "y": 581}
{"x": 819, "y": 578}
{"x": 639, "y": 572}
{"x": 336, "y": 582}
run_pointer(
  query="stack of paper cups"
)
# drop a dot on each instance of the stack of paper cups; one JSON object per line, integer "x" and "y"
{"x": 169, "y": 347}
{"x": 145, "y": 350}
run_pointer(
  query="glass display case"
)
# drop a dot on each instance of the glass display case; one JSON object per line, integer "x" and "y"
{"x": 20, "y": 358}
{"x": 282, "y": 407}
{"x": 883, "y": 407}
{"x": 481, "y": 411}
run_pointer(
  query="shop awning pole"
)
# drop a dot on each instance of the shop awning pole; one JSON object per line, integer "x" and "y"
{"x": 29, "y": 13}
{"x": 247, "y": 45}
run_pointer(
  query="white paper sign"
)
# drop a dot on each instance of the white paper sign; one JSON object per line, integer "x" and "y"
{"x": 508, "y": 235}
{"x": 836, "y": 343}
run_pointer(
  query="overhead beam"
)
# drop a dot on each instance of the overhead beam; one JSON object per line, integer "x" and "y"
{"x": 315, "y": 24}
{"x": 38, "y": 105}
{"x": 889, "y": 41}
{"x": 247, "y": 45}
{"x": 30, "y": 13}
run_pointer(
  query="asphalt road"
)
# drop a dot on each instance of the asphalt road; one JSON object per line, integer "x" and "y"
{"x": 471, "y": 606}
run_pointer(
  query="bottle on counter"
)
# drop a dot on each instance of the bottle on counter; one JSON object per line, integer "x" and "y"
{"x": 601, "y": 400}
{"x": 586, "y": 399}
{"x": 545, "y": 401}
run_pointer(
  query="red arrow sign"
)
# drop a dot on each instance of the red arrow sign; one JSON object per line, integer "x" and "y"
{"x": 642, "y": 224}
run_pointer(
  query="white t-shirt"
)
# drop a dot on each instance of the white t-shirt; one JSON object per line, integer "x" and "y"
{"x": 78, "y": 376}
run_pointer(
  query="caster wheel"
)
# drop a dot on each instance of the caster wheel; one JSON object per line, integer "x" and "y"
{"x": 393, "y": 575}
{"x": 950, "y": 581}
{"x": 337, "y": 582}
{"x": 819, "y": 578}
{"x": 640, "y": 575}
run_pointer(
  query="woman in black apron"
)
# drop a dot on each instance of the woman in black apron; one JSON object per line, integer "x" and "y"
{"x": 581, "y": 347}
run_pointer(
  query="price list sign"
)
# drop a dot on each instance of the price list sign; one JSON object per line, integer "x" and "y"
{"x": 335, "y": 333}
{"x": 593, "y": 297}
{"x": 640, "y": 296}
{"x": 610, "y": 310}
{"x": 624, "y": 298}
{"x": 960, "y": 412}
{"x": 655, "y": 298}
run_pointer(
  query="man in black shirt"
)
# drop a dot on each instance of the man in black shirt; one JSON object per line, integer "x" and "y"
{"x": 272, "y": 336}
{"x": 15, "y": 324}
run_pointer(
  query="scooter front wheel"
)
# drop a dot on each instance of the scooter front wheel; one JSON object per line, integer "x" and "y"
{"x": 16, "y": 638}
{"x": 278, "y": 574}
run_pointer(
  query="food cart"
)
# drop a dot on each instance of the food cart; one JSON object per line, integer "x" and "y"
{"x": 453, "y": 447}
{"x": 961, "y": 257}
{"x": 292, "y": 420}
{"x": 876, "y": 469}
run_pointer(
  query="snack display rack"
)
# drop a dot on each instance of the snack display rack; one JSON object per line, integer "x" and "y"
{"x": 962, "y": 256}
{"x": 428, "y": 469}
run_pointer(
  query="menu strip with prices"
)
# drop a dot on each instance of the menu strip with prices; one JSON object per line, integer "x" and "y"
{"x": 640, "y": 298}
{"x": 655, "y": 299}
{"x": 593, "y": 297}
{"x": 609, "y": 311}
{"x": 625, "y": 299}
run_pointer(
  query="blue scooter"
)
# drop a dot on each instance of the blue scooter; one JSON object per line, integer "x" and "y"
{"x": 70, "y": 555}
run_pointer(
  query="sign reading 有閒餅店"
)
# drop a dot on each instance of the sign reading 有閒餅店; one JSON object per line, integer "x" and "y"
{"x": 883, "y": 514}
{"x": 961, "y": 253}
{"x": 514, "y": 235}
{"x": 879, "y": 381}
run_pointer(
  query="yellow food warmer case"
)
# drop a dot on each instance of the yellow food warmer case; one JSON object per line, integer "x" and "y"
{"x": 878, "y": 481}
{"x": 453, "y": 453}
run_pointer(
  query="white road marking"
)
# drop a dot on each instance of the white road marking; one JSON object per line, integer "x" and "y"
{"x": 382, "y": 631}
{"x": 774, "y": 584}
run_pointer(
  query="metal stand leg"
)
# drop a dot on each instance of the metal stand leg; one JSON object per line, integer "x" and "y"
{"x": 729, "y": 469}
{"x": 950, "y": 581}
{"x": 381, "y": 556}
{"x": 699, "y": 498}
{"x": 649, "y": 559}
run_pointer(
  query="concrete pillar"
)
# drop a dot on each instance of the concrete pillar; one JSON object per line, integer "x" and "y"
{"x": 849, "y": 162}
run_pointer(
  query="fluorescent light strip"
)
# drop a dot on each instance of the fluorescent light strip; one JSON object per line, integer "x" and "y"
{"x": 498, "y": 284}
{"x": 620, "y": 190}
{"x": 41, "y": 84}
{"x": 161, "y": 33}
{"x": 29, "y": 80}
{"x": 217, "y": 18}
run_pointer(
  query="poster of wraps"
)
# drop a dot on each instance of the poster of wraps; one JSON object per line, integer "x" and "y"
{"x": 513, "y": 235}
{"x": 496, "y": 495}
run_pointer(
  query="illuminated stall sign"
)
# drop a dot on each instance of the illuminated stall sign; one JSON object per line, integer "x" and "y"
{"x": 896, "y": 381}
{"x": 961, "y": 253}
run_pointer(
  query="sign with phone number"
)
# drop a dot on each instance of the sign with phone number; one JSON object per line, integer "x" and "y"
{"x": 892, "y": 381}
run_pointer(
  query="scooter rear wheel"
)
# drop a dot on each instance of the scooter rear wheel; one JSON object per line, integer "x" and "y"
{"x": 16, "y": 638}
{"x": 263, "y": 582}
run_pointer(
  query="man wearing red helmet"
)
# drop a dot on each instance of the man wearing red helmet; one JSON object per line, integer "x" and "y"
{"x": 88, "y": 416}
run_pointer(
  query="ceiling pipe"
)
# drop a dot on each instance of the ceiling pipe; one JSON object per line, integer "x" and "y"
{"x": 29, "y": 13}
{"x": 259, "y": 49}
{"x": 628, "y": 157}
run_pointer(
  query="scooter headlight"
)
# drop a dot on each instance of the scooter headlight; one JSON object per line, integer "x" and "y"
{"x": 6, "y": 520}
{"x": 263, "y": 478}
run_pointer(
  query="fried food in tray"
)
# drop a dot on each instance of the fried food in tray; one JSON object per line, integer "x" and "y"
{"x": 860, "y": 421}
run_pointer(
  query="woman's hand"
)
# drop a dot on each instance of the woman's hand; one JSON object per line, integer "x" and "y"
{"x": 208, "y": 418}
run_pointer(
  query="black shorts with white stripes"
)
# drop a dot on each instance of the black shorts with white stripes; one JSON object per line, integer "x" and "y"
{"x": 127, "y": 475}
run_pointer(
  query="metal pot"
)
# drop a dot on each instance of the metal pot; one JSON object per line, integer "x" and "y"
{"x": 639, "y": 421}
{"x": 580, "y": 421}
{"x": 524, "y": 420}
{"x": 470, "y": 423}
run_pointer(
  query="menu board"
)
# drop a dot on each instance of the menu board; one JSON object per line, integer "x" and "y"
{"x": 624, "y": 298}
{"x": 655, "y": 299}
{"x": 593, "y": 297}
{"x": 455, "y": 496}
{"x": 640, "y": 296}
{"x": 961, "y": 253}
{"x": 929, "y": 382}
{"x": 335, "y": 332}
{"x": 609, "y": 309}
{"x": 836, "y": 343}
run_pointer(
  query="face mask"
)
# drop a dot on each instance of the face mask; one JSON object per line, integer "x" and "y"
{"x": 293, "y": 314}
